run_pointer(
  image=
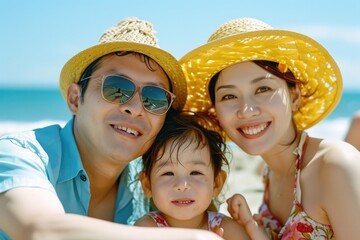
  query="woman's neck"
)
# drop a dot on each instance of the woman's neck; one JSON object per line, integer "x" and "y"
{"x": 281, "y": 159}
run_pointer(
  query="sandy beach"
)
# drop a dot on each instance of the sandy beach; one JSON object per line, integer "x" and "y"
{"x": 245, "y": 178}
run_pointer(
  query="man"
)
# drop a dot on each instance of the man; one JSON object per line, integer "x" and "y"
{"x": 49, "y": 177}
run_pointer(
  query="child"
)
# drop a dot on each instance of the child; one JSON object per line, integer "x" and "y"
{"x": 183, "y": 174}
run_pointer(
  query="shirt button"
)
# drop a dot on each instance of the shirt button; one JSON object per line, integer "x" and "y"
{"x": 83, "y": 178}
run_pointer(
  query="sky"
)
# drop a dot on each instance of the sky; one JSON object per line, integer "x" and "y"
{"x": 39, "y": 36}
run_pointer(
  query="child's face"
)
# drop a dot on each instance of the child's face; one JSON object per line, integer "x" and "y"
{"x": 182, "y": 185}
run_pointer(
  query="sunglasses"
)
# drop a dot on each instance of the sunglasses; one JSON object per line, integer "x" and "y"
{"x": 119, "y": 90}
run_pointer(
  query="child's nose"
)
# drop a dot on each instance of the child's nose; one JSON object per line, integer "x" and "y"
{"x": 182, "y": 185}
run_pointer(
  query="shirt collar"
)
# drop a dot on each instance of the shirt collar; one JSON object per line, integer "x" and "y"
{"x": 71, "y": 163}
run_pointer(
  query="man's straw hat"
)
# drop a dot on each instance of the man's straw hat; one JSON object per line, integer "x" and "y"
{"x": 131, "y": 34}
{"x": 248, "y": 39}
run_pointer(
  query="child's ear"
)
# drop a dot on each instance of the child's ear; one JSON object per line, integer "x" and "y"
{"x": 219, "y": 182}
{"x": 145, "y": 183}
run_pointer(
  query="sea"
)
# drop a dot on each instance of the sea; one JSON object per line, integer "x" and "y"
{"x": 25, "y": 109}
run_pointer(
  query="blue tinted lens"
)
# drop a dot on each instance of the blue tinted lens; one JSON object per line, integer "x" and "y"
{"x": 117, "y": 89}
{"x": 155, "y": 99}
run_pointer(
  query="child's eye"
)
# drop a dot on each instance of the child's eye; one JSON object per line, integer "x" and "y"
{"x": 196, "y": 173}
{"x": 262, "y": 89}
{"x": 168, "y": 174}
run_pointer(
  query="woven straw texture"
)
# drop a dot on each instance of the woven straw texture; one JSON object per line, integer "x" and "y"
{"x": 308, "y": 60}
{"x": 130, "y": 34}
{"x": 131, "y": 30}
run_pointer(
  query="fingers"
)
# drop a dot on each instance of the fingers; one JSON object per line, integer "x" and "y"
{"x": 219, "y": 231}
{"x": 233, "y": 206}
{"x": 245, "y": 212}
{"x": 241, "y": 213}
{"x": 257, "y": 218}
{"x": 239, "y": 209}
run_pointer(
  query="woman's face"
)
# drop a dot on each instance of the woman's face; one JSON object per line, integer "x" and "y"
{"x": 254, "y": 108}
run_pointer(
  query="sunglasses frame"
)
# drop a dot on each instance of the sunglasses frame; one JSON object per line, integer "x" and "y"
{"x": 137, "y": 89}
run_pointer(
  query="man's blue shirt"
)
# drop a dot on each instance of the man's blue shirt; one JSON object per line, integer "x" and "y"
{"x": 48, "y": 158}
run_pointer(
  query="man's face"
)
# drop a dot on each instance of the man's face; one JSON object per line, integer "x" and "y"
{"x": 119, "y": 133}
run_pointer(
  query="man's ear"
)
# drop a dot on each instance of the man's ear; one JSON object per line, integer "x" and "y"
{"x": 73, "y": 97}
{"x": 295, "y": 97}
{"x": 145, "y": 183}
{"x": 219, "y": 182}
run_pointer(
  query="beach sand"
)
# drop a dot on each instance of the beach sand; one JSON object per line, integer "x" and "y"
{"x": 244, "y": 178}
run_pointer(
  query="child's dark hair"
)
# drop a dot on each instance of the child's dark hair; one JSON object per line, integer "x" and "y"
{"x": 187, "y": 129}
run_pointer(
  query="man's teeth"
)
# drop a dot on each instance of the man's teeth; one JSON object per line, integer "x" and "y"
{"x": 254, "y": 130}
{"x": 128, "y": 130}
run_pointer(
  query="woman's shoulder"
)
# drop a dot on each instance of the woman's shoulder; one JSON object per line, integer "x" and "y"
{"x": 334, "y": 157}
{"x": 337, "y": 178}
{"x": 332, "y": 150}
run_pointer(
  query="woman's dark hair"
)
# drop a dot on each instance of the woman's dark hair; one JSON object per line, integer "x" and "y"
{"x": 185, "y": 130}
{"x": 274, "y": 68}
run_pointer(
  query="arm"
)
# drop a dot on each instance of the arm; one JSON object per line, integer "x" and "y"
{"x": 240, "y": 211}
{"x": 34, "y": 213}
{"x": 94, "y": 229}
{"x": 353, "y": 134}
{"x": 236, "y": 231}
{"x": 22, "y": 207}
{"x": 145, "y": 221}
{"x": 340, "y": 181}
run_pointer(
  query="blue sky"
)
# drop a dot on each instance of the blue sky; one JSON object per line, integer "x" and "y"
{"x": 38, "y": 36}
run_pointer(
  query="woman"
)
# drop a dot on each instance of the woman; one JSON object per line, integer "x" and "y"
{"x": 267, "y": 87}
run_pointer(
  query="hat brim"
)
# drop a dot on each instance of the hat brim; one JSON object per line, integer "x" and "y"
{"x": 75, "y": 67}
{"x": 309, "y": 61}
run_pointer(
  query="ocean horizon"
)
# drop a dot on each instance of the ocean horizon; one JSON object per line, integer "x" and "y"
{"x": 25, "y": 109}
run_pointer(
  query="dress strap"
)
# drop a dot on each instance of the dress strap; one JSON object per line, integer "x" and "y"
{"x": 265, "y": 175}
{"x": 300, "y": 149}
{"x": 299, "y": 152}
{"x": 214, "y": 220}
{"x": 160, "y": 221}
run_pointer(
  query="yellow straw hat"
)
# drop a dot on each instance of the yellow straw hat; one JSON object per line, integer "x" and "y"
{"x": 248, "y": 39}
{"x": 130, "y": 34}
